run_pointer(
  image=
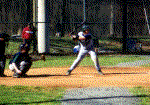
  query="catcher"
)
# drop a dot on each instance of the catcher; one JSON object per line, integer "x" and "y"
{"x": 21, "y": 62}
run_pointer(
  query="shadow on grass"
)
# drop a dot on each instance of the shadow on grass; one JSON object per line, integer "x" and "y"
{"x": 79, "y": 99}
{"x": 76, "y": 99}
{"x": 38, "y": 102}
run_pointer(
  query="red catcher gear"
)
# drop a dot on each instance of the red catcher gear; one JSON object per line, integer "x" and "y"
{"x": 27, "y": 33}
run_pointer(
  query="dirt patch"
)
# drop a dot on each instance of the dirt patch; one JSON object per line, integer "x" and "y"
{"x": 81, "y": 77}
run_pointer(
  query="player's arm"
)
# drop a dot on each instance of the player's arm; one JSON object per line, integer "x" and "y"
{"x": 81, "y": 38}
{"x": 86, "y": 37}
{"x": 78, "y": 37}
{"x": 74, "y": 37}
{"x": 1, "y": 39}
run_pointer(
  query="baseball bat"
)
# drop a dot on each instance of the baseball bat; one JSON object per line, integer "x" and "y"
{"x": 75, "y": 28}
{"x": 146, "y": 18}
{"x": 147, "y": 21}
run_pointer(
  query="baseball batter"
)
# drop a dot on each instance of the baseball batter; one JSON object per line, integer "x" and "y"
{"x": 86, "y": 46}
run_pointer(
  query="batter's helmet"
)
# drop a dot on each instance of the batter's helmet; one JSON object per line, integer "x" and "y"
{"x": 85, "y": 27}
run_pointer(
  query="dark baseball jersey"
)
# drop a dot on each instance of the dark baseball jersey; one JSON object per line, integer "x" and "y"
{"x": 19, "y": 57}
{"x": 3, "y": 43}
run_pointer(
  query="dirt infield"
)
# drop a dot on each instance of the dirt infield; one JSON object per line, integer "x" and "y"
{"x": 82, "y": 77}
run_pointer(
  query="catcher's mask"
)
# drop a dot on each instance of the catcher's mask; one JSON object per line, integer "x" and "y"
{"x": 24, "y": 47}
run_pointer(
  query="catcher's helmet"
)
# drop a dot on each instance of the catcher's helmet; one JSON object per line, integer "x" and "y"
{"x": 24, "y": 47}
{"x": 85, "y": 27}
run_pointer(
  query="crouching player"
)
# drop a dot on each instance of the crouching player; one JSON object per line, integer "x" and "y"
{"x": 21, "y": 62}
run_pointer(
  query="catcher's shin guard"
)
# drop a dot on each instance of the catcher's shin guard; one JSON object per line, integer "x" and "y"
{"x": 25, "y": 66}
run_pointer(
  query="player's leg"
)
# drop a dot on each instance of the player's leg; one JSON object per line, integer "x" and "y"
{"x": 11, "y": 67}
{"x": 24, "y": 67}
{"x": 95, "y": 60}
{"x": 16, "y": 73}
{"x": 80, "y": 56}
{"x": 2, "y": 66}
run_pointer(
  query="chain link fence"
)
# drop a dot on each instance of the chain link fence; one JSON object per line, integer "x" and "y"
{"x": 105, "y": 18}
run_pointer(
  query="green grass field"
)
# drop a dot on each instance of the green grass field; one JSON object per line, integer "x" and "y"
{"x": 144, "y": 93}
{"x": 41, "y": 95}
{"x": 60, "y": 61}
{"x": 66, "y": 61}
{"x": 29, "y": 95}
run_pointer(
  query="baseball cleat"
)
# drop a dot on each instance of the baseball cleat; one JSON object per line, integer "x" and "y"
{"x": 100, "y": 72}
{"x": 68, "y": 72}
{"x": 15, "y": 75}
